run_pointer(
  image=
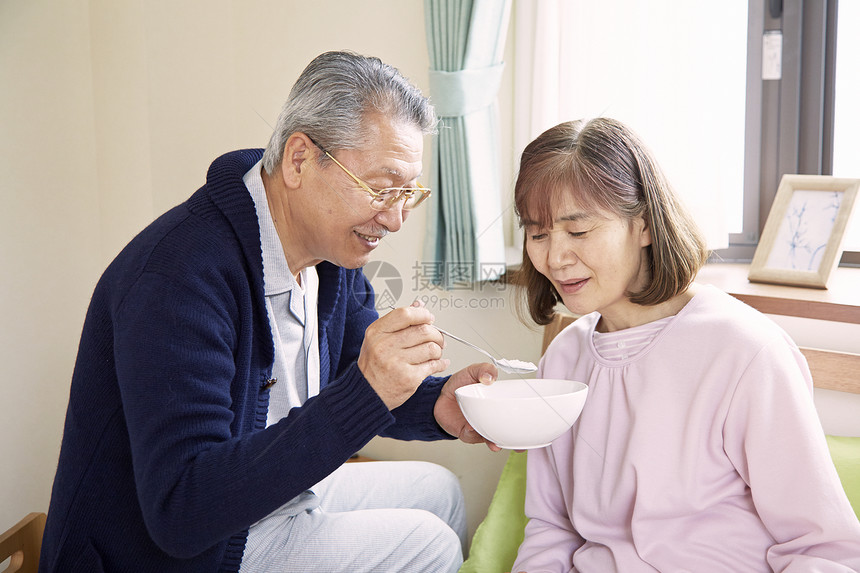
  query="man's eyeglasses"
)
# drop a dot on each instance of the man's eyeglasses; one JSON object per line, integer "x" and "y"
{"x": 382, "y": 199}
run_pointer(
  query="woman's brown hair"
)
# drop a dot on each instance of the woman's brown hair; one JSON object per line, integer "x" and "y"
{"x": 608, "y": 167}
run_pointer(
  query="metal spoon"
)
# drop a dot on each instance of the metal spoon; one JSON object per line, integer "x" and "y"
{"x": 503, "y": 364}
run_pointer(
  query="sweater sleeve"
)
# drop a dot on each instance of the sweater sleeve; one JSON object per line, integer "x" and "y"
{"x": 414, "y": 419}
{"x": 550, "y": 539}
{"x": 775, "y": 440}
{"x": 199, "y": 477}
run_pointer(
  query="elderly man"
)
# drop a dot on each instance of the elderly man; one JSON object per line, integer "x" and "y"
{"x": 232, "y": 360}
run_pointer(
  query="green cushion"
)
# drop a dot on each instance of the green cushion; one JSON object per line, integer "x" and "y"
{"x": 497, "y": 538}
{"x": 495, "y": 543}
{"x": 845, "y": 452}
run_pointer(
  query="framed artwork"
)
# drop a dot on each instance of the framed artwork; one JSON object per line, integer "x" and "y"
{"x": 802, "y": 239}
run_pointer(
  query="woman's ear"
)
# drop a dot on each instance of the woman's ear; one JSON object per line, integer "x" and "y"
{"x": 644, "y": 230}
{"x": 297, "y": 151}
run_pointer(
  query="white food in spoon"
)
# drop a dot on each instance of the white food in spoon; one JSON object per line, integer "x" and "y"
{"x": 518, "y": 364}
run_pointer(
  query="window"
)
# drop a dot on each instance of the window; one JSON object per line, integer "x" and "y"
{"x": 801, "y": 122}
{"x": 846, "y": 112}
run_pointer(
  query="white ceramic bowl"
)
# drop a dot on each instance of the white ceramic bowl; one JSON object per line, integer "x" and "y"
{"x": 521, "y": 414}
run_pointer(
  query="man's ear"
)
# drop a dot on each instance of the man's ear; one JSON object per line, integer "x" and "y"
{"x": 297, "y": 151}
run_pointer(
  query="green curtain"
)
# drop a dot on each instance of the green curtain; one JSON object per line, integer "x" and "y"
{"x": 465, "y": 41}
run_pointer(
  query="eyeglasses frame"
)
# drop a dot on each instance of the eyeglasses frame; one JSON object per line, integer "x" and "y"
{"x": 401, "y": 192}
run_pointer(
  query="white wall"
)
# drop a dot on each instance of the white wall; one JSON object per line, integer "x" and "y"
{"x": 50, "y": 240}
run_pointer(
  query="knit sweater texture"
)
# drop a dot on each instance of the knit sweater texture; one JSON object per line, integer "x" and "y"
{"x": 166, "y": 459}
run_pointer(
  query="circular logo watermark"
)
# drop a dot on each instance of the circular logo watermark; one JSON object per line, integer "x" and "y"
{"x": 388, "y": 285}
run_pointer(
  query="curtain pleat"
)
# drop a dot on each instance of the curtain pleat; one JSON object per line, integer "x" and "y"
{"x": 465, "y": 40}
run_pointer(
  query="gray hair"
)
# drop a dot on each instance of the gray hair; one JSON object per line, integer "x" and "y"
{"x": 333, "y": 95}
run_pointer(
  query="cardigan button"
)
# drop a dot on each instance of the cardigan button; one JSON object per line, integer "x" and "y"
{"x": 269, "y": 383}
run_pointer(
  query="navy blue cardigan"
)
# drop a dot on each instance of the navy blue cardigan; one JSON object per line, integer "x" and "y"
{"x": 166, "y": 460}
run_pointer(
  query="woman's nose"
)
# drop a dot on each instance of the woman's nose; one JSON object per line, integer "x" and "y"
{"x": 560, "y": 252}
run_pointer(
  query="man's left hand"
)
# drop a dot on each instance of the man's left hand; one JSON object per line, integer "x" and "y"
{"x": 447, "y": 411}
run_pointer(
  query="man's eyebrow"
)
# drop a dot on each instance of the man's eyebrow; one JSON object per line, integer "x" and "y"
{"x": 391, "y": 171}
{"x": 397, "y": 174}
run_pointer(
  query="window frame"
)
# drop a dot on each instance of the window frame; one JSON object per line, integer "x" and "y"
{"x": 789, "y": 122}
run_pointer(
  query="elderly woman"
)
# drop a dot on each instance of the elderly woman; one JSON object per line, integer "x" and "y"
{"x": 699, "y": 448}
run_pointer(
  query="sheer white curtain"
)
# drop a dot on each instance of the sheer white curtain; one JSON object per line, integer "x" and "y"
{"x": 675, "y": 72}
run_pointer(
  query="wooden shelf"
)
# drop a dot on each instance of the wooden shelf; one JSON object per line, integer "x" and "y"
{"x": 840, "y": 302}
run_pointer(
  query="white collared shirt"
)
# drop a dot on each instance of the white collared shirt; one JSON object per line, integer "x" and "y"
{"x": 292, "y": 310}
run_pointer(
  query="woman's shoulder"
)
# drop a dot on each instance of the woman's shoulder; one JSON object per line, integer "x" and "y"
{"x": 721, "y": 316}
{"x": 581, "y": 326}
{"x": 573, "y": 337}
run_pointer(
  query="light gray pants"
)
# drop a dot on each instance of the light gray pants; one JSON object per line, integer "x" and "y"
{"x": 385, "y": 517}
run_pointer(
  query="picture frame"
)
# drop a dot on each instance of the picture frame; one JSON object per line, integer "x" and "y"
{"x": 802, "y": 239}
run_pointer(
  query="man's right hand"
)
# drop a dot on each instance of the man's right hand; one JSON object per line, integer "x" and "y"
{"x": 399, "y": 351}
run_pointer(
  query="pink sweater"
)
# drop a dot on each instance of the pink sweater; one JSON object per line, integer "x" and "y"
{"x": 702, "y": 453}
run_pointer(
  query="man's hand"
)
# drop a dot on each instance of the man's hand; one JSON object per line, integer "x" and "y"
{"x": 399, "y": 351}
{"x": 447, "y": 411}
